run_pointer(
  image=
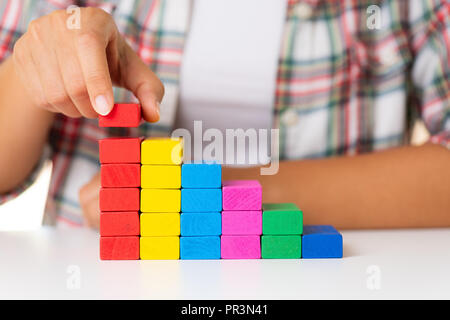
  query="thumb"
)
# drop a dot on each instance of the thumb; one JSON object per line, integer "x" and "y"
{"x": 139, "y": 79}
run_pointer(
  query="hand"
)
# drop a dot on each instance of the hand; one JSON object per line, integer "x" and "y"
{"x": 89, "y": 201}
{"x": 73, "y": 71}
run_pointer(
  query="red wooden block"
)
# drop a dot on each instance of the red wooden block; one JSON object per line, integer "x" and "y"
{"x": 119, "y": 248}
{"x": 119, "y": 224}
{"x": 120, "y": 150}
{"x": 120, "y": 175}
{"x": 119, "y": 199}
{"x": 122, "y": 115}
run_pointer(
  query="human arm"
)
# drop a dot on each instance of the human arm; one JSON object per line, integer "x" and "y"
{"x": 23, "y": 130}
{"x": 397, "y": 188}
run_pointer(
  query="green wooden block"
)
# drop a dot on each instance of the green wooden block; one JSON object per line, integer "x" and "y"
{"x": 282, "y": 219}
{"x": 281, "y": 247}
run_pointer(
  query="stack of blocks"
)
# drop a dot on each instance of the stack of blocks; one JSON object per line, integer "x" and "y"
{"x": 201, "y": 203}
{"x": 282, "y": 229}
{"x": 241, "y": 219}
{"x": 218, "y": 220}
{"x": 160, "y": 198}
{"x": 120, "y": 175}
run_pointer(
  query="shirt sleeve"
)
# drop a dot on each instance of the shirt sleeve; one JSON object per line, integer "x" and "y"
{"x": 430, "y": 30}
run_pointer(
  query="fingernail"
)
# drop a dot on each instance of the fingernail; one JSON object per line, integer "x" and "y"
{"x": 101, "y": 105}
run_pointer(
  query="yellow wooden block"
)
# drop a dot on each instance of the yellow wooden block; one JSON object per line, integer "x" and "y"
{"x": 160, "y": 248}
{"x": 160, "y": 224}
{"x": 160, "y": 200}
{"x": 162, "y": 151}
{"x": 157, "y": 176}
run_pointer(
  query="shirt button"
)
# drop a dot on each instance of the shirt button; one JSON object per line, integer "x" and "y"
{"x": 304, "y": 10}
{"x": 289, "y": 117}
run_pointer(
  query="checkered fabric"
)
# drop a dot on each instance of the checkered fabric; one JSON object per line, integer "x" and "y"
{"x": 348, "y": 83}
{"x": 353, "y": 76}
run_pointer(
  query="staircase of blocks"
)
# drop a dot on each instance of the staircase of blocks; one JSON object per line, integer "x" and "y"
{"x": 155, "y": 207}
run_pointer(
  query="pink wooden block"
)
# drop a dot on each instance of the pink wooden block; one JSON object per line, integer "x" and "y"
{"x": 240, "y": 247}
{"x": 241, "y": 195}
{"x": 241, "y": 222}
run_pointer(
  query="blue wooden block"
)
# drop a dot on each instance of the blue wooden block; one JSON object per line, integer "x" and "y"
{"x": 201, "y": 200}
{"x": 201, "y": 224}
{"x": 201, "y": 175}
{"x": 321, "y": 242}
{"x": 196, "y": 248}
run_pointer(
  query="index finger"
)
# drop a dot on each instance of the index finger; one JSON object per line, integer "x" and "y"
{"x": 91, "y": 50}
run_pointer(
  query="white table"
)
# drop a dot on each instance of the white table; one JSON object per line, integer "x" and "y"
{"x": 64, "y": 264}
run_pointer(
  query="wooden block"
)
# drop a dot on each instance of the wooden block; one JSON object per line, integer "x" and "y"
{"x": 281, "y": 247}
{"x": 321, "y": 241}
{"x": 119, "y": 223}
{"x": 282, "y": 219}
{"x": 242, "y": 195}
{"x": 160, "y": 177}
{"x": 160, "y": 200}
{"x": 160, "y": 248}
{"x": 200, "y": 248}
{"x": 122, "y": 115}
{"x": 201, "y": 175}
{"x": 241, "y": 223}
{"x": 120, "y": 150}
{"x": 165, "y": 151}
{"x": 120, "y": 175}
{"x": 240, "y": 247}
{"x": 119, "y": 199}
{"x": 201, "y": 200}
{"x": 201, "y": 224}
{"x": 160, "y": 224}
{"x": 119, "y": 248}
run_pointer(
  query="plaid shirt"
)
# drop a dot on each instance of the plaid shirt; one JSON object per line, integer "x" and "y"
{"x": 342, "y": 87}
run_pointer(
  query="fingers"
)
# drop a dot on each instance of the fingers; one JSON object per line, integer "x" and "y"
{"x": 72, "y": 71}
{"x": 36, "y": 63}
{"x": 89, "y": 202}
{"x": 91, "y": 214}
{"x": 145, "y": 85}
{"x": 74, "y": 82}
{"x": 91, "y": 50}
{"x": 84, "y": 63}
{"x": 49, "y": 73}
{"x": 24, "y": 65}
{"x": 67, "y": 70}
